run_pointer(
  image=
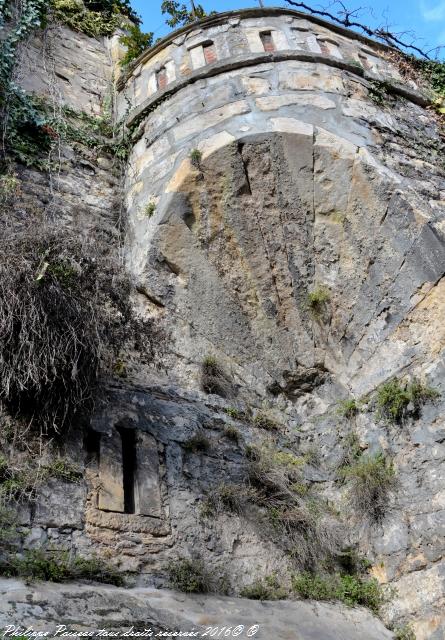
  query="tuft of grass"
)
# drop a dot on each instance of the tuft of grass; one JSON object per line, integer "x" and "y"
{"x": 267, "y": 589}
{"x": 63, "y": 470}
{"x": 197, "y": 443}
{"x": 150, "y": 209}
{"x": 264, "y": 421}
{"x": 300, "y": 523}
{"x": 404, "y": 633}
{"x": 233, "y": 413}
{"x": 16, "y": 484}
{"x": 372, "y": 480}
{"x": 317, "y": 300}
{"x": 396, "y": 400}
{"x": 352, "y": 451}
{"x": 196, "y": 158}
{"x": 214, "y": 379}
{"x": 120, "y": 368}
{"x": 348, "y": 408}
{"x": 232, "y": 433}
{"x": 349, "y": 589}
{"x": 39, "y": 565}
{"x": 189, "y": 576}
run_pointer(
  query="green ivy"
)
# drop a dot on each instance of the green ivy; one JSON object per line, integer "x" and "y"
{"x": 27, "y": 138}
{"x": 92, "y": 23}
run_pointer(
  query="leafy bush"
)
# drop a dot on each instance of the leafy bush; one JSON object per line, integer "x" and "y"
{"x": 189, "y": 576}
{"x": 195, "y": 158}
{"x": 180, "y": 13}
{"x": 40, "y": 565}
{"x": 150, "y": 209}
{"x": 267, "y": 589}
{"x": 93, "y": 17}
{"x": 197, "y": 442}
{"x": 136, "y": 42}
{"x": 372, "y": 479}
{"x": 349, "y": 589}
{"x": 396, "y": 400}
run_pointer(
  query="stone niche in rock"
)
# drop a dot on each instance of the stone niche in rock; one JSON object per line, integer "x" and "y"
{"x": 125, "y": 480}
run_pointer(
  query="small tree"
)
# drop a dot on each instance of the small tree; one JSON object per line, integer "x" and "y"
{"x": 136, "y": 42}
{"x": 180, "y": 13}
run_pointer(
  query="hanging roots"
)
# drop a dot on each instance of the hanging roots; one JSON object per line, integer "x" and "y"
{"x": 64, "y": 309}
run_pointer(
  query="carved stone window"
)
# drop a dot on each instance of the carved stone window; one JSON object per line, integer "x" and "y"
{"x": 267, "y": 40}
{"x": 129, "y": 473}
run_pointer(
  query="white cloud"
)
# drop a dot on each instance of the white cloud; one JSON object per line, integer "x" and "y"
{"x": 434, "y": 13}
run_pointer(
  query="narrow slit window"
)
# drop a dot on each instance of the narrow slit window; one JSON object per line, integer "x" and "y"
{"x": 129, "y": 468}
{"x": 267, "y": 40}
{"x": 324, "y": 48}
{"x": 364, "y": 61}
{"x": 92, "y": 447}
{"x": 161, "y": 78}
{"x": 209, "y": 53}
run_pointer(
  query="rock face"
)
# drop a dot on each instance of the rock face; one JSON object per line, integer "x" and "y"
{"x": 90, "y": 608}
{"x": 257, "y": 177}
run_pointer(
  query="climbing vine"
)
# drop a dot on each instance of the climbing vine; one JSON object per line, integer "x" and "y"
{"x": 23, "y": 127}
{"x": 29, "y": 127}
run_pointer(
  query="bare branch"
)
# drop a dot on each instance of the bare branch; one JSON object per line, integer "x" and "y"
{"x": 349, "y": 18}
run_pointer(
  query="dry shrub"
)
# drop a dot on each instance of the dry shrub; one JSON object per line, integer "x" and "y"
{"x": 233, "y": 498}
{"x": 214, "y": 379}
{"x": 372, "y": 480}
{"x": 64, "y": 313}
{"x": 303, "y": 525}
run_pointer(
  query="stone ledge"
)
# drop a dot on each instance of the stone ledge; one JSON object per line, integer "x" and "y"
{"x": 87, "y": 607}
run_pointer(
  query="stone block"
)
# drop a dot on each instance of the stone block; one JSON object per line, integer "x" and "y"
{"x": 147, "y": 486}
{"x": 273, "y": 103}
{"x": 111, "y": 492}
{"x": 210, "y": 119}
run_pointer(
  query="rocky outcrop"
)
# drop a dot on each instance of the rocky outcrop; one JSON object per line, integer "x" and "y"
{"x": 89, "y": 608}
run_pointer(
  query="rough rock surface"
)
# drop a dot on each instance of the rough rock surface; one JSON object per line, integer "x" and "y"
{"x": 90, "y": 607}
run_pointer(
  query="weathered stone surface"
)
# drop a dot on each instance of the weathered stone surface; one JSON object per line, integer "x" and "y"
{"x": 85, "y": 607}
